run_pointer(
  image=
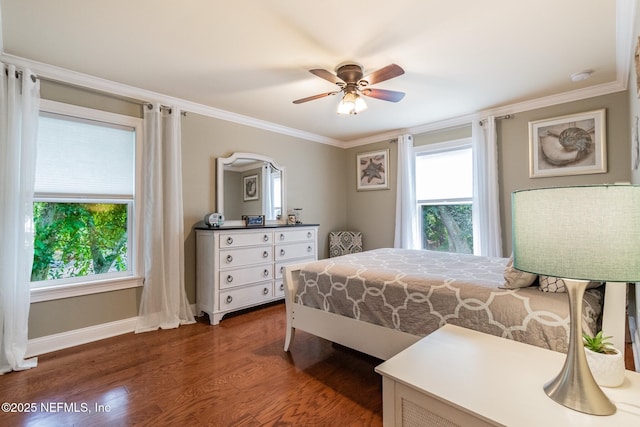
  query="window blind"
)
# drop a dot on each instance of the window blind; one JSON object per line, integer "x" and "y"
{"x": 84, "y": 157}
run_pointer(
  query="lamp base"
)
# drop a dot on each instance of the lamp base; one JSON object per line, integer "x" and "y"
{"x": 574, "y": 387}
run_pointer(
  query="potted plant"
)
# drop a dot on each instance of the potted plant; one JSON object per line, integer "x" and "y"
{"x": 605, "y": 361}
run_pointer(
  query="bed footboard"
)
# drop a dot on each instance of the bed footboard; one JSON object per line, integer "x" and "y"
{"x": 367, "y": 338}
{"x": 291, "y": 274}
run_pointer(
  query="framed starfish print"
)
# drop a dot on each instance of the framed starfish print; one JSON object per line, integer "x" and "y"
{"x": 372, "y": 170}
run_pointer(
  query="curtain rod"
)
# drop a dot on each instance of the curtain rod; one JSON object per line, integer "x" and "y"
{"x": 19, "y": 74}
{"x": 133, "y": 100}
{"x": 164, "y": 107}
{"x": 505, "y": 117}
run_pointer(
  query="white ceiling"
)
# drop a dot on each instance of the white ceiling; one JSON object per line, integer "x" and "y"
{"x": 252, "y": 57}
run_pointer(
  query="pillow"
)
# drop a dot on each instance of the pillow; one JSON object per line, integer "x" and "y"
{"x": 556, "y": 284}
{"x": 514, "y": 278}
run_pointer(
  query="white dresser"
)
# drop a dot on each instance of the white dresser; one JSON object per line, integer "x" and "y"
{"x": 240, "y": 267}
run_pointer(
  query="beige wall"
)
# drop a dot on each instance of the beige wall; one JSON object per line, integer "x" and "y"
{"x": 315, "y": 177}
{"x": 513, "y": 154}
{"x": 373, "y": 212}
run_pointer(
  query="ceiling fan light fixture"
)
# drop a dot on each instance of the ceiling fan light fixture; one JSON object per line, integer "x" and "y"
{"x": 351, "y": 103}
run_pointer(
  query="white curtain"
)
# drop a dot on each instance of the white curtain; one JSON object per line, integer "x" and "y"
{"x": 487, "y": 239}
{"x": 406, "y": 232}
{"x": 19, "y": 105}
{"x": 267, "y": 192}
{"x": 164, "y": 302}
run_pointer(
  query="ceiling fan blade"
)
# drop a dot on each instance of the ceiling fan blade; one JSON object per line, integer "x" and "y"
{"x": 385, "y": 73}
{"x": 327, "y": 75}
{"x": 386, "y": 95}
{"x": 311, "y": 98}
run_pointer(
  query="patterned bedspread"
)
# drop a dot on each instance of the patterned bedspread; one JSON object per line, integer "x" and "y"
{"x": 419, "y": 291}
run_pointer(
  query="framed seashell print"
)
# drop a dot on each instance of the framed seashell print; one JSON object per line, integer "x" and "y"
{"x": 569, "y": 145}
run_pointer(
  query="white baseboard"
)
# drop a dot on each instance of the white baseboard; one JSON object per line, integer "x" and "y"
{"x": 49, "y": 343}
{"x": 75, "y": 337}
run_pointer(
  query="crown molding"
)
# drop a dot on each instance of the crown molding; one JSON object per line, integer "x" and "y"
{"x": 73, "y": 78}
{"x": 467, "y": 119}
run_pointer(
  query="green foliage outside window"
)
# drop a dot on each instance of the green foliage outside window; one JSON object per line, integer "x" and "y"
{"x": 78, "y": 239}
{"x": 447, "y": 228}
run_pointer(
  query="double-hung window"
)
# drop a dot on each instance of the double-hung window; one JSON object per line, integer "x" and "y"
{"x": 85, "y": 202}
{"x": 444, "y": 195}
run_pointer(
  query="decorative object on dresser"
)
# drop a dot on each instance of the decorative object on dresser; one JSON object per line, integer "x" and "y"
{"x": 253, "y": 220}
{"x": 578, "y": 234}
{"x": 240, "y": 267}
{"x": 214, "y": 219}
{"x": 344, "y": 242}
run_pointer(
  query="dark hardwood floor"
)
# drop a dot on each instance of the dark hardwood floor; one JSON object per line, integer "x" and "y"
{"x": 232, "y": 374}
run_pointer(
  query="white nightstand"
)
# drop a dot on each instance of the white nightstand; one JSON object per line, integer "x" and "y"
{"x": 460, "y": 377}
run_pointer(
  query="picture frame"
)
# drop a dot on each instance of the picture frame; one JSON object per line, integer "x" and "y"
{"x": 574, "y": 144}
{"x": 250, "y": 188}
{"x": 253, "y": 220}
{"x": 372, "y": 170}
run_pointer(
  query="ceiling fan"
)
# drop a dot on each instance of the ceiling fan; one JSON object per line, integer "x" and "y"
{"x": 349, "y": 78}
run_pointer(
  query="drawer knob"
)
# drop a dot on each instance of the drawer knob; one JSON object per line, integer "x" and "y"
{"x": 266, "y": 238}
{"x": 309, "y": 248}
{"x": 229, "y": 298}
{"x": 265, "y": 272}
{"x": 229, "y": 240}
{"x": 281, "y": 269}
{"x": 229, "y": 278}
{"x": 309, "y": 234}
{"x": 265, "y": 291}
{"x": 281, "y": 236}
{"x": 282, "y": 286}
{"x": 229, "y": 258}
{"x": 265, "y": 254}
{"x": 282, "y": 252}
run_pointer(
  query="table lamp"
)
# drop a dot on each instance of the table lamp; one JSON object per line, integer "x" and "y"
{"x": 580, "y": 234}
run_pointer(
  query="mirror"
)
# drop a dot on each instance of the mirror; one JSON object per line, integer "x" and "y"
{"x": 250, "y": 184}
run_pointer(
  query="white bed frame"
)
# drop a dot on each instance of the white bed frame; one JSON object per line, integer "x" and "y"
{"x": 384, "y": 343}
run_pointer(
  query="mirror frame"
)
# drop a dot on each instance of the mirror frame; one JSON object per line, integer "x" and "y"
{"x": 225, "y": 161}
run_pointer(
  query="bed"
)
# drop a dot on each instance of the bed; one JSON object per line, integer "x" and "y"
{"x": 381, "y": 301}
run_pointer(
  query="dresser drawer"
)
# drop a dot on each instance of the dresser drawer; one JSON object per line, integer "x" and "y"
{"x": 294, "y": 251}
{"x": 237, "y": 240}
{"x": 232, "y": 299}
{"x": 278, "y": 288}
{"x": 244, "y": 276}
{"x": 279, "y": 270}
{"x": 288, "y": 236}
{"x": 247, "y": 256}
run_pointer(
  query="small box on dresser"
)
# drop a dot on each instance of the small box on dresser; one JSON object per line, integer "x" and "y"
{"x": 241, "y": 267}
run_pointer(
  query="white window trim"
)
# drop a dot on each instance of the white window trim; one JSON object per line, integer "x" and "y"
{"x": 440, "y": 147}
{"x": 454, "y": 144}
{"x": 87, "y": 287}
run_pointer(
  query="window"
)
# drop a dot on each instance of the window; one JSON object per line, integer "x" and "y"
{"x": 85, "y": 202}
{"x": 444, "y": 194}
